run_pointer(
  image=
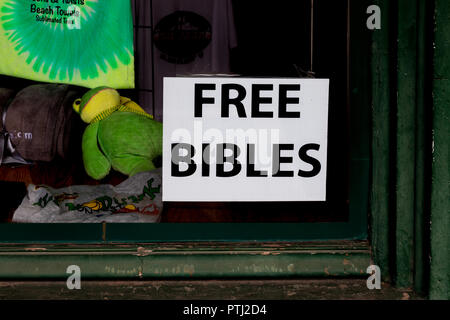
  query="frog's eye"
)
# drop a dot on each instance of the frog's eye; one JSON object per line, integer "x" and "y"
{"x": 76, "y": 105}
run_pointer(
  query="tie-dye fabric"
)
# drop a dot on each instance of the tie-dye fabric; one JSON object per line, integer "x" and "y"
{"x": 81, "y": 42}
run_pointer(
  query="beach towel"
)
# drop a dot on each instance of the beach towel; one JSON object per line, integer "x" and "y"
{"x": 81, "y": 42}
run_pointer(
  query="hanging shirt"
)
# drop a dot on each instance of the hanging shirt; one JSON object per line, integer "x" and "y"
{"x": 190, "y": 37}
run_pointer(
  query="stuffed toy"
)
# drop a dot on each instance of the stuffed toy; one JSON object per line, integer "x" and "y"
{"x": 120, "y": 134}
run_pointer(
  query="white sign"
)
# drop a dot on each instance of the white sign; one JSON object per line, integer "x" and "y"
{"x": 242, "y": 139}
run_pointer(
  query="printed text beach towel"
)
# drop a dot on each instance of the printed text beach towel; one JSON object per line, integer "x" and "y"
{"x": 81, "y": 42}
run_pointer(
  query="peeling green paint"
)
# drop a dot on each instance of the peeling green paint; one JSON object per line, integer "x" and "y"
{"x": 401, "y": 145}
{"x": 405, "y": 140}
{"x": 180, "y": 261}
{"x": 382, "y": 90}
{"x": 440, "y": 213}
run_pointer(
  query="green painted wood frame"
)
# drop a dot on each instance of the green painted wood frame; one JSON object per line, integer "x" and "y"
{"x": 440, "y": 213}
{"x": 409, "y": 190}
{"x": 394, "y": 76}
{"x": 355, "y": 228}
{"x": 186, "y": 260}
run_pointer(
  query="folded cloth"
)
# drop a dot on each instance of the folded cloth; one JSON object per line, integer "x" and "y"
{"x": 137, "y": 199}
{"x": 39, "y": 121}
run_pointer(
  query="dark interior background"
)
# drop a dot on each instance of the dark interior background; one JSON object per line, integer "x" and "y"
{"x": 273, "y": 41}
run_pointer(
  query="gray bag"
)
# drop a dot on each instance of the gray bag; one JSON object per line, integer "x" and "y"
{"x": 8, "y": 154}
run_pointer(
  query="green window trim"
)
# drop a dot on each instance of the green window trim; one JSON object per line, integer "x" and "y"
{"x": 440, "y": 213}
{"x": 410, "y": 103}
{"x": 187, "y": 260}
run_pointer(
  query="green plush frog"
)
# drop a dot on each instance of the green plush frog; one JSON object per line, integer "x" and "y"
{"x": 120, "y": 134}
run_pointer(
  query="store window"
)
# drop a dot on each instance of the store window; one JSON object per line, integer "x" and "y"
{"x": 249, "y": 39}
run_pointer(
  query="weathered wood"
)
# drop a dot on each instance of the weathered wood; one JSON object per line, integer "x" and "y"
{"x": 440, "y": 213}
{"x": 405, "y": 143}
{"x": 349, "y": 289}
{"x": 381, "y": 177}
{"x": 423, "y": 148}
{"x": 191, "y": 260}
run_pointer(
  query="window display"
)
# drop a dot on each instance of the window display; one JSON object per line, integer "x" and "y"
{"x": 178, "y": 38}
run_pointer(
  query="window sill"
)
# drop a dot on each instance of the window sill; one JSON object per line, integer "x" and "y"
{"x": 231, "y": 260}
